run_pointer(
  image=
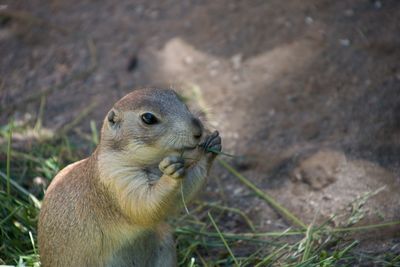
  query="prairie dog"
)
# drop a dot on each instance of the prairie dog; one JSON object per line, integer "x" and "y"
{"x": 110, "y": 209}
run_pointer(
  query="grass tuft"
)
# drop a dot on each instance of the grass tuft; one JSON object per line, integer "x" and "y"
{"x": 9, "y": 139}
{"x": 203, "y": 239}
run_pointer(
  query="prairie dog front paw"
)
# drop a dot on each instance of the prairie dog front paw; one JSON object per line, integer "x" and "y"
{"x": 173, "y": 166}
{"x": 212, "y": 143}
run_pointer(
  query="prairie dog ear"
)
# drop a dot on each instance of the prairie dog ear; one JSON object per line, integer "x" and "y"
{"x": 113, "y": 118}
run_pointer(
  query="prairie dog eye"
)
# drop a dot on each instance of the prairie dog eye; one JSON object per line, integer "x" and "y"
{"x": 149, "y": 118}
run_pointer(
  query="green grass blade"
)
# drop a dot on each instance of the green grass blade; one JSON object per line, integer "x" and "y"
{"x": 95, "y": 133}
{"x": 272, "y": 202}
{"x": 223, "y": 239}
{"x": 308, "y": 243}
{"x": 268, "y": 259}
{"x": 20, "y": 189}
{"x": 365, "y": 227}
{"x": 234, "y": 210}
{"x": 9, "y": 140}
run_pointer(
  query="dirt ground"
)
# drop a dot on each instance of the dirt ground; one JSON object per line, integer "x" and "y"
{"x": 306, "y": 92}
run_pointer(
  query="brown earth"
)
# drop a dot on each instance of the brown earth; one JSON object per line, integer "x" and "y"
{"x": 307, "y": 92}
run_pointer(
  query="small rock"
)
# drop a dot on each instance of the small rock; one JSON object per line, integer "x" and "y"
{"x": 236, "y": 61}
{"x": 292, "y": 98}
{"x": 309, "y": 20}
{"x": 238, "y": 191}
{"x": 349, "y": 12}
{"x": 98, "y": 78}
{"x": 38, "y": 185}
{"x": 39, "y": 181}
{"x": 139, "y": 9}
{"x": 27, "y": 117}
{"x": 188, "y": 60}
{"x": 344, "y": 42}
{"x": 271, "y": 112}
{"x": 377, "y": 4}
{"x": 313, "y": 203}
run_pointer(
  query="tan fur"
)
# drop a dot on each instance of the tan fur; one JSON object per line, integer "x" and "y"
{"x": 111, "y": 208}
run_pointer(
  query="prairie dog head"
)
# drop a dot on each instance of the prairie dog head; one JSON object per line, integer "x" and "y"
{"x": 149, "y": 124}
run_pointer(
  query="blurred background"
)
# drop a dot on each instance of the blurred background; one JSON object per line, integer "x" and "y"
{"x": 306, "y": 95}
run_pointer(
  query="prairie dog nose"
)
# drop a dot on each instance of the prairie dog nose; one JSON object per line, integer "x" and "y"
{"x": 197, "y": 128}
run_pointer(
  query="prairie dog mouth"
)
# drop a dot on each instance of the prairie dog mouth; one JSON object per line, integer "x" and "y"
{"x": 191, "y": 155}
{"x": 188, "y": 148}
